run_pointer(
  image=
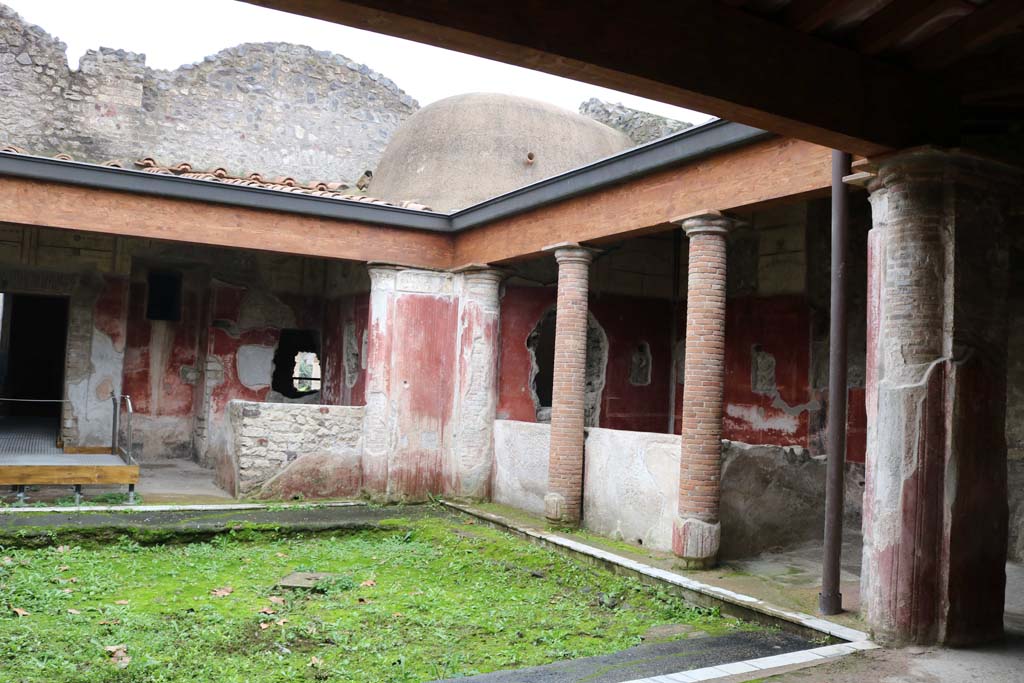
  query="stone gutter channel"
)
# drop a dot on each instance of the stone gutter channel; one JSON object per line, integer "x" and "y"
{"x": 319, "y": 517}
{"x": 705, "y": 595}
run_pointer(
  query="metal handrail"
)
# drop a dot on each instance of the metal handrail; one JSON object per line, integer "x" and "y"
{"x": 116, "y": 448}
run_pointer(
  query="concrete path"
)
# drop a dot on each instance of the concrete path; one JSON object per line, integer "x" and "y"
{"x": 48, "y": 526}
{"x": 653, "y": 660}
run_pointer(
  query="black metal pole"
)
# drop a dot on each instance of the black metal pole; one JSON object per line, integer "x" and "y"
{"x": 830, "y": 600}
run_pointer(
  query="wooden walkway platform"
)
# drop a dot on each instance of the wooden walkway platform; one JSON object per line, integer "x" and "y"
{"x": 29, "y": 456}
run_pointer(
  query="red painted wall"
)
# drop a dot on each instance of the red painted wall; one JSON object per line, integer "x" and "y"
{"x": 627, "y": 321}
{"x": 338, "y": 313}
{"x": 780, "y": 326}
{"x": 521, "y": 310}
{"x": 422, "y": 381}
{"x": 173, "y": 344}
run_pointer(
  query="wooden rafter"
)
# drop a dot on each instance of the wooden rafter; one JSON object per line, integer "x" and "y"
{"x": 984, "y": 25}
{"x": 893, "y": 23}
{"x": 810, "y": 15}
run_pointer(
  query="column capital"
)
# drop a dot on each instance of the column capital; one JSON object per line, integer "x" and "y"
{"x": 571, "y": 252}
{"x": 481, "y": 271}
{"x": 930, "y": 164}
{"x": 707, "y": 222}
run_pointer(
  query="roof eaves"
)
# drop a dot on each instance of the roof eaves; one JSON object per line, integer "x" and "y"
{"x": 683, "y": 147}
{"x": 254, "y": 197}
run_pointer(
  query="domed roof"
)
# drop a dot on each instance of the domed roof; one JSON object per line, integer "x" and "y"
{"x": 464, "y": 149}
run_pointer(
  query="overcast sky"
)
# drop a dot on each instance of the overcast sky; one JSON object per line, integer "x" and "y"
{"x": 175, "y": 32}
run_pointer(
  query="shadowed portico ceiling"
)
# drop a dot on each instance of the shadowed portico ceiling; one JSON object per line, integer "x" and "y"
{"x": 861, "y": 75}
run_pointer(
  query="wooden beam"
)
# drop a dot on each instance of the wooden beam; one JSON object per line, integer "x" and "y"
{"x": 810, "y": 15}
{"x": 70, "y": 207}
{"x": 46, "y": 475}
{"x": 901, "y": 18}
{"x": 700, "y": 54}
{"x": 767, "y": 171}
{"x": 980, "y": 27}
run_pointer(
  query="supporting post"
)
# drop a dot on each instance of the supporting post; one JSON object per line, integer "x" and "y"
{"x": 131, "y": 494}
{"x": 21, "y": 495}
{"x": 563, "y": 503}
{"x": 830, "y": 600}
{"x": 116, "y": 401}
{"x": 697, "y": 532}
{"x": 78, "y": 494}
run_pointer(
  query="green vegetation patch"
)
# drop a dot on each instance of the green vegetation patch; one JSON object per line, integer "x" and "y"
{"x": 414, "y": 601}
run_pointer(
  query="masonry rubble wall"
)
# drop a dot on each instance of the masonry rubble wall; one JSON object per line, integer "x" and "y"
{"x": 268, "y": 439}
{"x": 272, "y": 108}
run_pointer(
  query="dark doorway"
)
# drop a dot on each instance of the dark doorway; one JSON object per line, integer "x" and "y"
{"x": 34, "y": 338}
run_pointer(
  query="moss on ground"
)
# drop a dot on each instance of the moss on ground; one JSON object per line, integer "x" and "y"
{"x": 417, "y": 600}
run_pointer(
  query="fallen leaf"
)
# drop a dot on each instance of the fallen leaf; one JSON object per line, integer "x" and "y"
{"x": 364, "y": 601}
{"x": 264, "y": 626}
{"x": 281, "y": 555}
{"x": 63, "y": 568}
{"x": 20, "y": 612}
{"x": 277, "y": 599}
{"x": 281, "y": 622}
{"x": 120, "y": 602}
{"x": 118, "y": 655}
{"x": 369, "y": 583}
{"x": 315, "y": 662}
{"x": 222, "y": 592}
{"x": 267, "y": 610}
{"x": 397, "y": 615}
{"x": 67, "y": 590}
{"x": 73, "y": 611}
{"x": 110, "y": 622}
{"x": 63, "y": 548}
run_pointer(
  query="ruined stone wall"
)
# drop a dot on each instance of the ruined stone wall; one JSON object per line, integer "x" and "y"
{"x": 313, "y": 449}
{"x": 641, "y": 126}
{"x": 273, "y": 108}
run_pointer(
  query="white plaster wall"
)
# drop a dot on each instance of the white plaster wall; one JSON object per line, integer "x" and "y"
{"x": 90, "y": 396}
{"x": 520, "y": 476}
{"x": 630, "y": 485}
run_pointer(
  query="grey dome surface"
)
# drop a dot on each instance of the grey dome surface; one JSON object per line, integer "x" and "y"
{"x": 464, "y": 149}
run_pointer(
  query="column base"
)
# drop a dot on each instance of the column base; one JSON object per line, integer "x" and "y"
{"x": 555, "y": 513}
{"x": 696, "y": 542}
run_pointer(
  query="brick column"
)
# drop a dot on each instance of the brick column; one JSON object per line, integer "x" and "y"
{"x": 697, "y": 533}
{"x": 935, "y": 501}
{"x": 563, "y": 503}
{"x": 467, "y": 467}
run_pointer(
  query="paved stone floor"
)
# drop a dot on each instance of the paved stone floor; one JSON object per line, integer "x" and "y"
{"x": 178, "y": 481}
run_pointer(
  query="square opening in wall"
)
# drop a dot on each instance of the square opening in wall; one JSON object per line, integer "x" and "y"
{"x": 297, "y": 363}
{"x": 163, "y": 300}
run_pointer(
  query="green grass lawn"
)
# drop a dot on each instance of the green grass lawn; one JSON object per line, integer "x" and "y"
{"x": 420, "y": 600}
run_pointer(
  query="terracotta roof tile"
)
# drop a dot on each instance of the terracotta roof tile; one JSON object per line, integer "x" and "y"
{"x": 319, "y": 188}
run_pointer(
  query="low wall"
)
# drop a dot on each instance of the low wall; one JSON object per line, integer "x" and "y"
{"x": 772, "y": 496}
{"x": 630, "y": 489}
{"x": 520, "y": 475}
{"x": 287, "y": 450}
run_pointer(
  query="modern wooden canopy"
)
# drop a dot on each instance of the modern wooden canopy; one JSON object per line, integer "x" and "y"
{"x": 858, "y": 75}
{"x": 743, "y": 177}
